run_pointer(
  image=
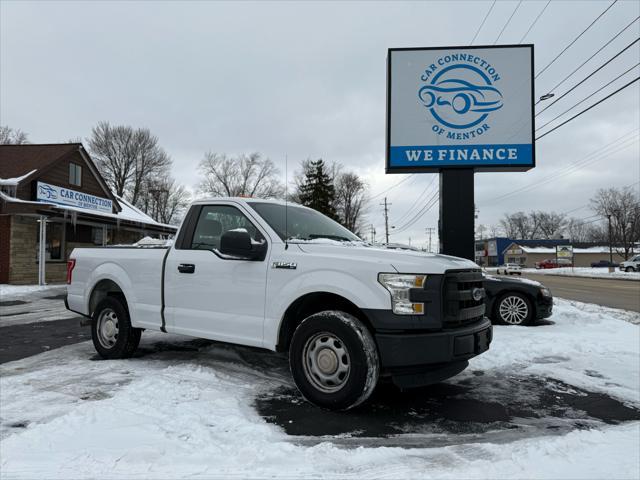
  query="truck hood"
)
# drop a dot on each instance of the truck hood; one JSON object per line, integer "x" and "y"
{"x": 403, "y": 261}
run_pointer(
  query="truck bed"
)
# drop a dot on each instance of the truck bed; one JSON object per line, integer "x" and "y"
{"x": 137, "y": 269}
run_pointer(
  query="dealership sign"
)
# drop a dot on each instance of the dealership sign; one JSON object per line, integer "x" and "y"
{"x": 460, "y": 107}
{"x": 564, "y": 251}
{"x": 65, "y": 196}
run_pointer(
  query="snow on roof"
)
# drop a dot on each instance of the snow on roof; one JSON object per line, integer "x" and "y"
{"x": 547, "y": 250}
{"x": 16, "y": 180}
{"x": 128, "y": 213}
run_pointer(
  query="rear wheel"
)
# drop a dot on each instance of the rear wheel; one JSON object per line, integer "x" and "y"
{"x": 514, "y": 309}
{"x": 111, "y": 330}
{"x": 334, "y": 360}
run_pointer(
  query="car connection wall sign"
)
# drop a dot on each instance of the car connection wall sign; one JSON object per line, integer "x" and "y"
{"x": 460, "y": 107}
{"x": 54, "y": 194}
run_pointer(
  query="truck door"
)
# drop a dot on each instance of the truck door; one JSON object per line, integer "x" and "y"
{"x": 210, "y": 295}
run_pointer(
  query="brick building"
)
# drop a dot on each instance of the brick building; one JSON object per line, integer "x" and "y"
{"x": 53, "y": 199}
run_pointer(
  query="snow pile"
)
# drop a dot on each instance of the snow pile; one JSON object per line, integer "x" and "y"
{"x": 189, "y": 413}
{"x": 585, "y": 272}
{"x": 11, "y": 292}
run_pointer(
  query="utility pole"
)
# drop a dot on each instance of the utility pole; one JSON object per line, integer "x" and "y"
{"x": 386, "y": 219}
{"x": 430, "y": 230}
{"x": 372, "y": 231}
{"x": 610, "y": 243}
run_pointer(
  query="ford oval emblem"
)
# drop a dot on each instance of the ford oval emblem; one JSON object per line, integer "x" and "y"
{"x": 477, "y": 294}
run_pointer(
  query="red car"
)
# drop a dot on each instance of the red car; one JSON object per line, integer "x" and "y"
{"x": 548, "y": 263}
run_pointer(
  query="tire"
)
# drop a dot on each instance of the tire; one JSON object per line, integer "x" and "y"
{"x": 514, "y": 308}
{"x": 334, "y": 360}
{"x": 629, "y": 269}
{"x": 111, "y": 330}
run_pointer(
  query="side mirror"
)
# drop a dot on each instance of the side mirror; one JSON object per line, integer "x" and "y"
{"x": 237, "y": 243}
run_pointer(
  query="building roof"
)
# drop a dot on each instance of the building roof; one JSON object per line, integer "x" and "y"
{"x": 129, "y": 213}
{"x": 552, "y": 251}
{"x": 26, "y": 162}
{"x": 26, "y": 159}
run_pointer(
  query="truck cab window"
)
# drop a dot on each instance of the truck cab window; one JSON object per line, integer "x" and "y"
{"x": 214, "y": 221}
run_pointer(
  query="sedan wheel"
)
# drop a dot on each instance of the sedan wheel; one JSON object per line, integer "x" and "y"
{"x": 514, "y": 309}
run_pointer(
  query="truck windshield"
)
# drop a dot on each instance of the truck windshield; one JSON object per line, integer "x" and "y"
{"x": 303, "y": 223}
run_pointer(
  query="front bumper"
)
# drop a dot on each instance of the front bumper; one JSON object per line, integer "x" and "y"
{"x": 399, "y": 350}
{"x": 544, "y": 307}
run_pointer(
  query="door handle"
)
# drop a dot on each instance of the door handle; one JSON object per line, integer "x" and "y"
{"x": 186, "y": 268}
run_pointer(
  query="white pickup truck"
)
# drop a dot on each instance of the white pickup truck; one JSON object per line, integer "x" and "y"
{"x": 287, "y": 278}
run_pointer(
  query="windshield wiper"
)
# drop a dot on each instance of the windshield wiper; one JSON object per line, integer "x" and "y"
{"x": 339, "y": 238}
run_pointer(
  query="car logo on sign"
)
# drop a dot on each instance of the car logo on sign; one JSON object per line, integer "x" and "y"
{"x": 460, "y": 96}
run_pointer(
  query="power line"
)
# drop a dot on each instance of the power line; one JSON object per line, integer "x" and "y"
{"x": 508, "y": 22}
{"x": 589, "y": 108}
{"x": 588, "y": 97}
{"x": 593, "y": 155}
{"x": 592, "y": 74}
{"x": 576, "y": 39}
{"x": 534, "y": 22}
{"x": 418, "y": 198}
{"x": 392, "y": 187}
{"x": 593, "y": 55}
{"x": 483, "y": 20}
{"x": 428, "y": 205}
{"x": 563, "y": 172}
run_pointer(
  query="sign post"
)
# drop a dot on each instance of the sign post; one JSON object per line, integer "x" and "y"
{"x": 457, "y": 111}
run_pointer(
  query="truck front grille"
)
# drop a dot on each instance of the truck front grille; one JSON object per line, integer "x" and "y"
{"x": 459, "y": 306}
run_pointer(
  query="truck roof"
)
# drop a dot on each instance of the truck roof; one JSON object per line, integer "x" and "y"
{"x": 247, "y": 200}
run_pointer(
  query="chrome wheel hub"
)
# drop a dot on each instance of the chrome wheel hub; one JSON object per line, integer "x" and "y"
{"x": 326, "y": 362}
{"x": 514, "y": 310}
{"x": 107, "y": 328}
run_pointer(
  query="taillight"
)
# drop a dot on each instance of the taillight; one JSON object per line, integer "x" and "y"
{"x": 71, "y": 263}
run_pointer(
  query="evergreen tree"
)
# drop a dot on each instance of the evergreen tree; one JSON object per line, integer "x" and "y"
{"x": 317, "y": 190}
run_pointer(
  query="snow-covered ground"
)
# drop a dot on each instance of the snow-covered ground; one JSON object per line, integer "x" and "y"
{"x": 23, "y": 304}
{"x": 12, "y": 292}
{"x": 177, "y": 411}
{"x": 584, "y": 272}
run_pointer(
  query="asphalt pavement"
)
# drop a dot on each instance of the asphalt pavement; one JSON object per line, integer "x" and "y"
{"x": 624, "y": 294}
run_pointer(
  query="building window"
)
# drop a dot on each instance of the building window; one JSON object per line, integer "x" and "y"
{"x": 75, "y": 174}
{"x": 54, "y": 246}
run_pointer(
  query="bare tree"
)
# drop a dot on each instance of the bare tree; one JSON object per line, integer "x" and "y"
{"x": 577, "y": 230}
{"x": 126, "y": 157}
{"x": 11, "y": 136}
{"x": 495, "y": 231}
{"x": 242, "y": 175}
{"x": 480, "y": 231}
{"x": 517, "y": 225}
{"x": 622, "y": 207}
{"x": 547, "y": 225}
{"x": 164, "y": 200}
{"x": 350, "y": 198}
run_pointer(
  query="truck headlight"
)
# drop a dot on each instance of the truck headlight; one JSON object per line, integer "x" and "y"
{"x": 398, "y": 285}
{"x": 545, "y": 292}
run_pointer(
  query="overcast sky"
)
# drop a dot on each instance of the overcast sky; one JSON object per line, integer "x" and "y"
{"x": 308, "y": 80}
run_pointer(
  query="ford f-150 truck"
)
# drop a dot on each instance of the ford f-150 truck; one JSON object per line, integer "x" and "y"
{"x": 287, "y": 278}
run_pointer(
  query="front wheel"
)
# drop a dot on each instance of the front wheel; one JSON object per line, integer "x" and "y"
{"x": 514, "y": 309}
{"x": 111, "y": 330}
{"x": 629, "y": 269}
{"x": 334, "y": 360}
